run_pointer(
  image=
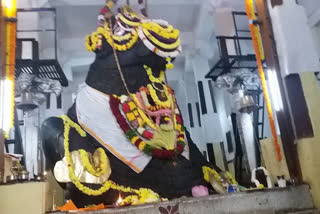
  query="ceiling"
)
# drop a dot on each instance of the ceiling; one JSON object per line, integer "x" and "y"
{"x": 182, "y": 17}
{"x": 77, "y": 20}
{"x": 234, "y": 4}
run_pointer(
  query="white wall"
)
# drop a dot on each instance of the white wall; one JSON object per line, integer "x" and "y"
{"x": 313, "y": 11}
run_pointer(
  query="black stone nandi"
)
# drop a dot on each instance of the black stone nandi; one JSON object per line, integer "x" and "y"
{"x": 169, "y": 177}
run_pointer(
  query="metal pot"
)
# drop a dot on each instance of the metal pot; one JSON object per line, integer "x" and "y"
{"x": 11, "y": 178}
{"x": 23, "y": 175}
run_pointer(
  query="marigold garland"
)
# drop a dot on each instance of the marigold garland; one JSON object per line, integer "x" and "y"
{"x": 143, "y": 193}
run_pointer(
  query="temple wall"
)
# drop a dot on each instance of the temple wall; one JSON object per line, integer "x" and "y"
{"x": 308, "y": 148}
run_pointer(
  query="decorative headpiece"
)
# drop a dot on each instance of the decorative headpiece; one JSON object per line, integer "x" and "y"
{"x": 157, "y": 35}
{"x": 161, "y": 38}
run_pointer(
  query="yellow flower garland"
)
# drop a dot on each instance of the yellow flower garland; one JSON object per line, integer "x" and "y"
{"x": 92, "y": 46}
{"x": 153, "y": 93}
{"x": 128, "y": 22}
{"x": 143, "y": 193}
{"x": 153, "y": 78}
{"x": 169, "y": 32}
{"x": 160, "y": 44}
{"x": 88, "y": 166}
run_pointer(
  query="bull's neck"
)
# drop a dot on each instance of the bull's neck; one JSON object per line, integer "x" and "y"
{"x": 109, "y": 80}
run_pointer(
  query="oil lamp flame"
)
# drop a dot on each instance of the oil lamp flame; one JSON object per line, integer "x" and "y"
{"x": 119, "y": 200}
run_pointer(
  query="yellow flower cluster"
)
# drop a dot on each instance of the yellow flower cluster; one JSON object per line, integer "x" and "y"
{"x": 206, "y": 174}
{"x": 145, "y": 195}
{"x": 131, "y": 116}
{"x": 89, "y": 167}
{"x": 131, "y": 199}
{"x": 92, "y": 40}
{"x": 169, "y": 64}
{"x": 167, "y": 32}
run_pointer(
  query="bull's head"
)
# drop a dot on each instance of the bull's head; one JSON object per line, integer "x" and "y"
{"x": 128, "y": 44}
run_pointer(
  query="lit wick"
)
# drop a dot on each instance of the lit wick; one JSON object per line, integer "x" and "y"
{"x": 118, "y": 203}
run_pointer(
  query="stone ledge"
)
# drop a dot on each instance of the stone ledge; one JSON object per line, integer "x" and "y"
{"x": 271, "y": 201}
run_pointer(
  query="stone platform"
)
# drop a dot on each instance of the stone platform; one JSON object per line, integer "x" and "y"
{"x": 272, "y": 201}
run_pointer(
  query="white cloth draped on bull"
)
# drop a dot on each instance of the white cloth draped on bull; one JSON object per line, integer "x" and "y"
{"x": 95, "y": 117}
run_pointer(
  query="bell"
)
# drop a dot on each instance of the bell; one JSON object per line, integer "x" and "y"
{"x": 246, "y": 104}
{"x": 27, "y": 102}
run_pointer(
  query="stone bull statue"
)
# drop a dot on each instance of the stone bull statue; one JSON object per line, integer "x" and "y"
{"x": 127, "y": 110}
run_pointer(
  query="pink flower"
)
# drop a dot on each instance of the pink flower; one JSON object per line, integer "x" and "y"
{"x": 199, "y": 191}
